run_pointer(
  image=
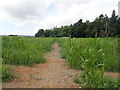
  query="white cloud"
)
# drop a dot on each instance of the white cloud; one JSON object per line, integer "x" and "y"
{"x": 67, "y": 14}
{"x": 64, "y": 12}
{"x": 16, "y": 32}
{"x": 22, "y": 11}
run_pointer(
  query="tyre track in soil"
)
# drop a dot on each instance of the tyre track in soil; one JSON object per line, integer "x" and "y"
{"x": 52, "y": 74}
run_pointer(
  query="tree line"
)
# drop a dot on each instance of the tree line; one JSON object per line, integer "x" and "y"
{"x": 102, "y": 26}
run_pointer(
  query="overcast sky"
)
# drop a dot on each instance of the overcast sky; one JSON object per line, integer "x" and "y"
{"x": 26, "y": 17}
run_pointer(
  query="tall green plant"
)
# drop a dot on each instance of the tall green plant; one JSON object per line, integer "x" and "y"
{"x": 25, "y": 50}
{"x": 94, "y": 56}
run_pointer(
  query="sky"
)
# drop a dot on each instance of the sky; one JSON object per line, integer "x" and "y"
{"x": 26, "y": 17}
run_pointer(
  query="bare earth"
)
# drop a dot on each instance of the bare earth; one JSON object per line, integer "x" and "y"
{"x": 52, "y": 74}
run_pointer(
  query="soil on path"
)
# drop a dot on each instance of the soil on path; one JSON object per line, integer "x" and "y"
{"x": 52, "y": 74}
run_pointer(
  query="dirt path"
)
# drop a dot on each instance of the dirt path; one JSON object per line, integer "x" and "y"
{"x": 52, "y": 74}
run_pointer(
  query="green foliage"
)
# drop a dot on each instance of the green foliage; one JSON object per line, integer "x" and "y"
{"x": 94, "y": 56}
{"x": 109, "y": 82}
{"x": 40, "y": 33}
{"x": 25, "y": 50}
{"x": 91, "y": 50}
{"x": 102, "y": 26}
{"x": 22, "y": 51}
{"x": 0, "y": 70}
{"x": 105, "y": 82}
{"x": 7, "y": 73}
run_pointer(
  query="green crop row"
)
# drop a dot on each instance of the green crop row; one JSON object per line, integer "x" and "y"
{"x": 22, "y": 51}
{"x": 25, "y": 50}
{"x": 98, "y": 50}
{"x": 92, "y": 55}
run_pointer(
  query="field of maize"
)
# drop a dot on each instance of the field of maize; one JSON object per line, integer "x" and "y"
{"x": 23, "y": 51}
{"x": 92, "y": 55}
{"x": 96, "y": 50}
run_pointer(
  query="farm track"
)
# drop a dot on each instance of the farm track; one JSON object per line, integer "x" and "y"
{"x": 52, "y": 74}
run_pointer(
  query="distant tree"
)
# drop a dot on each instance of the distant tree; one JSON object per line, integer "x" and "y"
{"x": 113, "y": 14}
{"x": 117, "y": 33}
{"x": 13, "y": 35}
{"x": 101, "y": 16}
{"x": 55, "y": 32}
{"x": 102, "y": 26}
{"x": 105, "y": 30}
{"x": 78, "y": 30}
{"x": 89, "y": 29}
{"x": 113, "y": 24}
{"x": 40, "y": 33}
{"x": 65, "y": 31}
{"x": 47, "y": 33}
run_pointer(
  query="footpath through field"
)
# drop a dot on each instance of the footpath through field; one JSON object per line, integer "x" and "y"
{"x": 52, "y": 74}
